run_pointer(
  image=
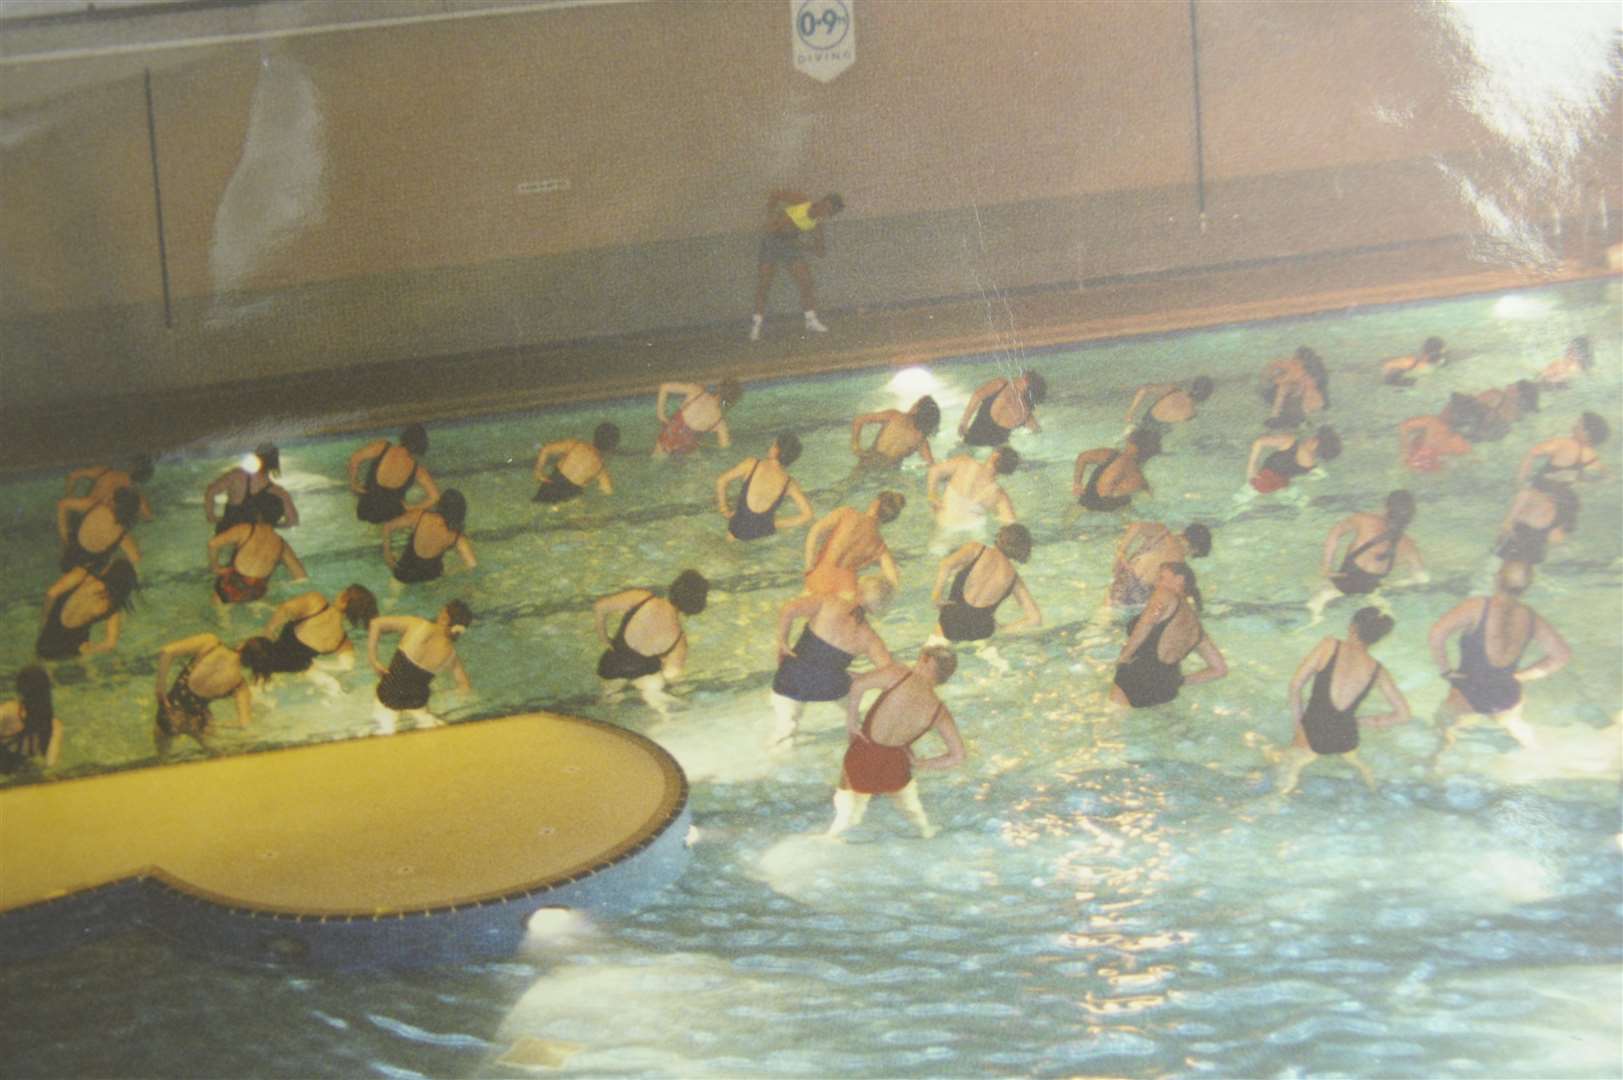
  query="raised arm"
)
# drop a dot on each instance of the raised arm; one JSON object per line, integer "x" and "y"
{"x": 89, "y": 472}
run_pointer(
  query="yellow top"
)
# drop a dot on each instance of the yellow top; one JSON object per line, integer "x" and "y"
{"x": 800, "y": 214}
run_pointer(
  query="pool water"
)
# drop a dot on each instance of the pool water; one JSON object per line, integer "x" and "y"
{"x": 1116, "y": 894}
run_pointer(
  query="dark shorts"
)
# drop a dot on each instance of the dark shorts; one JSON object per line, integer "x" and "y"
{"x": 779, "y": 248}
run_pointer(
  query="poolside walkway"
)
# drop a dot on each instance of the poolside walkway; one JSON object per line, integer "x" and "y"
{"x": 518, "y": 379}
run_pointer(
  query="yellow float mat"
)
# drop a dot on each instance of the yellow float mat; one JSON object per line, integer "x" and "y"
{"x": 426, "y": 819}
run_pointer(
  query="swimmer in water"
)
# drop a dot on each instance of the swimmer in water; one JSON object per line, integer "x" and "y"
{"x": 1170, "y": 403}
{"x": 1375, "y": 545}
{"x": 1425, "y": 441}
{"x": 1144, "y": 548}
{"x": 982, "y": 578}
{"x": 94, "y": 538}
{"x": 256, "y": 549}
{"x": 1487, "y": 416}
{"x": 564, "y": 468}
{"x": 426, "y": 649}
{"x": 251, "y": 493}
{"x": 1343, "y": 674}
{"x": 1117, "y": 475}
{"x": 391, "y": 469}
{"x": 1149, "y": 669}
{"x": 432, "y": 533}
{"x": 1494, "y": 632}
{"x": 310, "y": 627}
{"x": 1575, "y": 363}
{"x": 213, "y": 671}
{"x": 106, "y": 481}
{"x": 1404, "y": 370}
{"x": 847, "y": 541}
{"x": 702, "y": 412}
{"x": 649, "y": 650}
{"x": 30, "y": 730}
{"x": 78, "y": 601}
{"x": 963, "y": 491}
{"x": 837, "y": 631}
{"x": 900, "y": 435}
{"x": 1289, "y": 456}
{"x": 766, "y": 483}
{"x": 1001, "y": 405}
{"x": 791, "y": 218}
{"x": 1295, "y": 387}
{"x": 880, "y": 759}
{"x": 1568, "y": 459}
{"x": 1543, "y": 513}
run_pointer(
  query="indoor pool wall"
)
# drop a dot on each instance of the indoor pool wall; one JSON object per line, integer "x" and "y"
{"x": 1116, "y": 894}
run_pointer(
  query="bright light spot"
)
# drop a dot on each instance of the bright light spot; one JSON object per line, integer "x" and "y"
{"x": 250, "y": 463}
{"x": 1517, "y": 878}
{"x": 913, "y": 382}
{"x": 1521, "y": 307}
{"x": 553, "y": 924}
{"x": 693, "y": 835}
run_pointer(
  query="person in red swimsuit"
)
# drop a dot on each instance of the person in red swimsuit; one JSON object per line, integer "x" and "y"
{"x": 880, "y": 758}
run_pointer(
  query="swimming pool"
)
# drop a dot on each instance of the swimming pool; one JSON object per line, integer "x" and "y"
{"x": 1109, "y": 894}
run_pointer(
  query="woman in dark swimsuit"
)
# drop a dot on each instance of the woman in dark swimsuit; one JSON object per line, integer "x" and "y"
{"x": 744, "y": 520}
{"x": 1117, "y": 470}
{"x": 392, "y": 471}
{"x": 1545, "y": 513}
{"x": 1149, "y": 672}
{"x": 1000, "y": 406}
{"x": 1568, "y": 459}
{"x": 309, "y": 626}
{"x": 30, "y": 730}
{"x": 1342, "y": 672}
{"x": 649, "y": 649}
{"x": 1289, "y": 458}
{"x": 251, "y": 494}
{"x": 79, "y": 600}
{"x": 433, "y": 533}
{"x": 837, "y": 631}
{"x": 94, "y": 539}
{"x": 213, "y": 670}
{"x": 1377, "y": 543}
{"x": 984, "y": 573}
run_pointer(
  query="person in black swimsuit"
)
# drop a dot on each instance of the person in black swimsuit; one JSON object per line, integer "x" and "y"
{"x": 985, "y": 572}
{"x": 1568, "y": 459}
{"x": 1377, "y": 543}
{"x": 309, "y": 626}
{"x": 1341, "y": 671}
{"x": 1501, "y": 626}
{"x": 564, "y": 468}
{"x": 1124, "y": 467}
{"x": 1148, "y": 672}
{"x": 1289, "y": 457}
{"x": 426, "y": 648}
{"x": 837, "y": 631}
{"x": 80, "y": 600}
{"x": 433, "y": 533}
{"x": 213, "y": 671}
{"x": 650, "y": 647}
{"x": 743, "y": 523}
{"x": 378, "y": 501}
{"x": 1542, "y": 514}
{"x": 251, "y": 493}
{"x": 1001, "y": 405}
{"x": 94, "y": 538}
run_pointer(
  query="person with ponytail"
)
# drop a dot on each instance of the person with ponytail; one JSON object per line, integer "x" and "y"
{"x": 1149, "y": 669}
{"x": 1377, "y": 543}
{"x": 29, "y": 726}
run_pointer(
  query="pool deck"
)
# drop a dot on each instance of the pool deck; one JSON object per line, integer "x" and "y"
{"x": 599, "y": 369}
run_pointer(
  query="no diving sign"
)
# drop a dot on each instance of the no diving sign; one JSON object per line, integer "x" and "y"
{"x": 823, "y": 37}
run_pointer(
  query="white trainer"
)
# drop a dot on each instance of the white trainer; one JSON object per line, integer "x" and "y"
{"x": 814, "y": 324}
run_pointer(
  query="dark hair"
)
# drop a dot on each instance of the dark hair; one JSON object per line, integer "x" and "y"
{"x": 415, "y": 438}
{"x": 34, "y": 691}
{"x": 788, "y": 448}
{"x": 1580, "y": 351}
{"x": 1008, "y": 460}
{"x": 1371, "y": 624}
{"x": 126, "y": 506}
{"x": 459, "y": 613}
{"x": 258, "y": 654}
{"x": 1200, "y": 540}
{"x": 1595, "y": 427}
{"x": 690, "y": 592}
{"x": 270, "y": 458}
{"x": 360, "y": 606}
{"x": 835, "y": 202}
{"x": 926, "y": 416}
{"x": 1036, "y": 388}
{"x": 1400, "y": 507}
{"x": 1015, "y": 542}
{"x": 1147, "y": 441}
{"x": 890, "y": 506}
{"x": 1191, "y": 588}
{"x": 607, "y": 437}
{"x": 946, "y": 662}
{"x": 728, "y": 392}
{"x": 453, "y": 507}
{"x": 120, "y": 581}
{"x": 1526, "y": 394}
{"x": 1329, "y": 443}
{"x": 141, "y": 468}
{"x": 1432, "y": 346}
{"x": 1201, "y": 388}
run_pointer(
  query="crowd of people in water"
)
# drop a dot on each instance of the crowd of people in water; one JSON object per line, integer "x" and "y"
{"x": 849, "y": 573}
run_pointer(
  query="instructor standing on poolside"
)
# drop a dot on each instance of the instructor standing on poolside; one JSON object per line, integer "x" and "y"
{"x": 790, "y": 218}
